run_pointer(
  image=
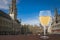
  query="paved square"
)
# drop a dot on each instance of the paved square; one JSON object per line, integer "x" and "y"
{"x": 28, "y": 37}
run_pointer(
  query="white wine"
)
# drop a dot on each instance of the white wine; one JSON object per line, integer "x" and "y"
{"x": 44, "y": 20}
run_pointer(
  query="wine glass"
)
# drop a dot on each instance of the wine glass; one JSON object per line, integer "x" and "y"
{"x": 45, "y": 19}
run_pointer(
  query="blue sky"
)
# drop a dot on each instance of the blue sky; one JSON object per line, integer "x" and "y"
{"x": 28, "y": 10}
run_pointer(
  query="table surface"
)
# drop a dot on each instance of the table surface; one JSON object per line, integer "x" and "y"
{"x": 28, "y": 37}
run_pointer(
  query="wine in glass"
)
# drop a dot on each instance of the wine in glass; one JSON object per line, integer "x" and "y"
{"x": 45, "y": 20}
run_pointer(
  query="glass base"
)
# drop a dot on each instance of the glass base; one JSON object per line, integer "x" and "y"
{"x": 44, "y": 37}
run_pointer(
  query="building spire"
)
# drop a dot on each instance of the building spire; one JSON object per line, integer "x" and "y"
{"x": 13, "y": 10}
{"x": 56, "y": 12}
{"x": 56, "y": 15}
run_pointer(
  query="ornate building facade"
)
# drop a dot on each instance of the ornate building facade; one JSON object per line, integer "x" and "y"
{"x": 55, "y": 26}
{"x": 9, "y": 24}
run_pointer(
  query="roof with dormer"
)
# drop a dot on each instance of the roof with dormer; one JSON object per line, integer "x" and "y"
{"x": 5, "y": 15}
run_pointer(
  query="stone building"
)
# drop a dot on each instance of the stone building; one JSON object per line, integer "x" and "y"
{"x": 9, "y": 24}
{"x": 55, "y": 26}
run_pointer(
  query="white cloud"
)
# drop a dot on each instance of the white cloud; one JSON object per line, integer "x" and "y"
{"x": 4, "y": 4}
{"x": 31, "y": 22}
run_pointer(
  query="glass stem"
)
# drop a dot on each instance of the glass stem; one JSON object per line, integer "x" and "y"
{"x": 44, "y": 30}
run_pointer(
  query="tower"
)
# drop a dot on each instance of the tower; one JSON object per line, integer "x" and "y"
{"x": 55, "y": 21}
{"x": 56, "y": 15}
{"x": 13, "y": 10}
